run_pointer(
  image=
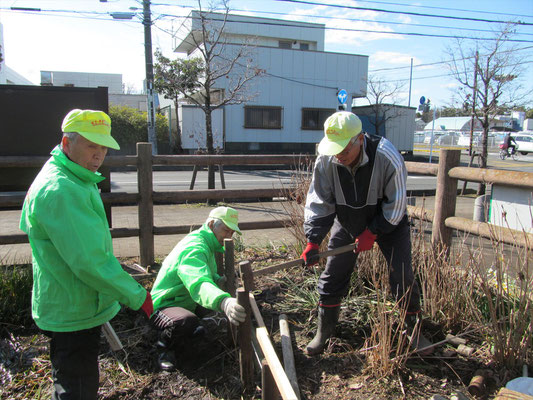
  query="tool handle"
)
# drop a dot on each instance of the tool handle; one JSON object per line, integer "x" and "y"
{"x": 111, "y": 336}
{"x": 300, "y": 262}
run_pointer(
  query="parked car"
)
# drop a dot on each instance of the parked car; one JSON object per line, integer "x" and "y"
{"x": 464, "y": 139}
{"x": 449, "y": 138}
{"x": 524, "y": 142}
{"x": 436, "y": 136}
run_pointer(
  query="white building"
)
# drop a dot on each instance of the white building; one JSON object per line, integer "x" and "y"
{"x": 82, "y": 79}
{"x": 293, "y": 97}
{"x": 9, "y": 76}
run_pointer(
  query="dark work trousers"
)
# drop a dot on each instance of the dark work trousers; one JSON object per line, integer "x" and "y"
{"x": 395, "y": 246}
{"x": 176, "y": 323}
{"x": 74, "y": 357}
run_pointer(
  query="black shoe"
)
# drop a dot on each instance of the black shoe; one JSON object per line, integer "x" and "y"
{"x": 167, "y": 360}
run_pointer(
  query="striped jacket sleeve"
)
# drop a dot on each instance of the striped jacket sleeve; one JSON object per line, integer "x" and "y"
{"x": 390, "y": 164}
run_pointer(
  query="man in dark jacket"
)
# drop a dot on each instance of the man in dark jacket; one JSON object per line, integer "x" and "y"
{"x": 358, "y": 191}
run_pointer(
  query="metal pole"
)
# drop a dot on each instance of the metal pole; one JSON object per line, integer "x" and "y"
{"x": 147, "y": 22}
{"x": 410, "y": 83}
{"x": 474, "y": 95}
{"x": 431, "y": 141}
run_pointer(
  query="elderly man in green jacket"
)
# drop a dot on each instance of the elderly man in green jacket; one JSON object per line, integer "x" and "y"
{"x": 188, "y": 284}
{"x": 77, "y": 282}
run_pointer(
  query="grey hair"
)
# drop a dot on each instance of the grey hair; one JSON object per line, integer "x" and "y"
{"x": 72, "y": 136}
{"x": 217, "y": 222}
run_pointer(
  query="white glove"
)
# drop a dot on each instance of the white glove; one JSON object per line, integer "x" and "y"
{"x": 235, "y": 312}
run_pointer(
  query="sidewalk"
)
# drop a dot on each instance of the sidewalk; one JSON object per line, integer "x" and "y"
{"x": 185, "y": 214}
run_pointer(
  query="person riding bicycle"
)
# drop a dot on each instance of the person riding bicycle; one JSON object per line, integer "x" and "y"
{"x": 508, "y": 143}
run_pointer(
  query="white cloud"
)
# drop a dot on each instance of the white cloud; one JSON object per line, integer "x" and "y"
{"x": 388, "y": 57}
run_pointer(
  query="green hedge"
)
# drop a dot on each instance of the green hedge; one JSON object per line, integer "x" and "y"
{"x": 129, "y": 126}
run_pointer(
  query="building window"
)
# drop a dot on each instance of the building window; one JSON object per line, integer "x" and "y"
{"x": 314, "y": 118}
{"x": 285, "y": 44}
{"x": 304, "y": 46}
{"x": 262, "y": 117}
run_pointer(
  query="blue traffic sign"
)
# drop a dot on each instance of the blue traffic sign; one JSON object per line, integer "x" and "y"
{"x": 342, "y": 96}
{"x": 422, "y": 100}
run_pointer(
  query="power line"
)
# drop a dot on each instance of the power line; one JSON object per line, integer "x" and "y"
{"x": 375, "y": 21}
{"x": 444, "y": 62}
{"x": 402, "y": 12}
{"x": 323, "y": 27}
{"x": 446, "y": 8}
{"x": 448, "y": 74}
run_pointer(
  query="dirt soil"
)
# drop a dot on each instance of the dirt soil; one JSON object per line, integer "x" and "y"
{"x": 208, "y": 368}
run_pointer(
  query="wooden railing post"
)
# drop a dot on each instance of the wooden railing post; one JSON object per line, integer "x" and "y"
{"x": 445, "y": 199}
{"x": 229, "y": 266}
{"x": 146, "y": 204}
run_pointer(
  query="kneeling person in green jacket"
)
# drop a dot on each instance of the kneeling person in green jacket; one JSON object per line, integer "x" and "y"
{"x": 77, "y": 282}
{"x": 188, "y": 285}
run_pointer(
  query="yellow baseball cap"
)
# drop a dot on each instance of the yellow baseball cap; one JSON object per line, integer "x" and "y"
{"x": 339, "y": 128}
{"x": 94, "y": 126}
{"x": 228, "y": 215}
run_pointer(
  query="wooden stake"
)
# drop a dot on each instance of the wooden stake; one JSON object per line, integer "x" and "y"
{"x": 288, "y": 355}
{"x": 246, "y": 360}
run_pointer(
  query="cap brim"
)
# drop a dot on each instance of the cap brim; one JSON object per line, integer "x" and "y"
{"x": 233, "y": 227}
{"x": 102, "y": 140}
{"x": 329, "y": 148}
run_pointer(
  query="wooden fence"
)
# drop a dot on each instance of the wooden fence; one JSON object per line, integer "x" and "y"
{"x": 443, "y": 218}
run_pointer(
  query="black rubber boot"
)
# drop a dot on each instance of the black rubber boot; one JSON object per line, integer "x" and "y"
{"x": 327, "y": 319}
{"x": 166, "y": 358}
{"x": 419, "y": 342}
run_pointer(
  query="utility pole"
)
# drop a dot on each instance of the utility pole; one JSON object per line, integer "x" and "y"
{"x": 147, "y": 22}
{"x": 474, "y": 95}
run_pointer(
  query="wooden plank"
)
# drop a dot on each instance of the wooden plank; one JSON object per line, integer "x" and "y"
{"x": 281, "y": 379}
{"x": 256, "y": 312}
{"x": 288, "y": 355}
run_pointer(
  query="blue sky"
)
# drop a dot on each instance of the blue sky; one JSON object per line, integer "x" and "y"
{"x": 91, "y": 41}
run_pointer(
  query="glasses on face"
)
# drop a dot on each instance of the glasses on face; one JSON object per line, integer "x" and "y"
{"x": 346, "y": 150}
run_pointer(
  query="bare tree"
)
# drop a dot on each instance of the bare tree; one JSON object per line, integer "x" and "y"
{"x": 382, "y": 97}
{"x": 173, "y": 78}
{"x": 228, "y": 69}
{"x": 489, "y": 72}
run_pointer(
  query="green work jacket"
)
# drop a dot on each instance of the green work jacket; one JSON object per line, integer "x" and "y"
{"x": 188, "y": 274}
{"x": 77, "y": 281}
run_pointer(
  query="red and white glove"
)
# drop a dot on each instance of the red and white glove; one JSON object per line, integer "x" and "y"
{"x": 310, "y": 254}
{"x": 148, "y": 306}
{"x": 365, "y": 241}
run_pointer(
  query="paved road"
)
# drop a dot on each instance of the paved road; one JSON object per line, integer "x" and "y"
{"x": 181, "y": 180}
{"x": 184, "y": 214}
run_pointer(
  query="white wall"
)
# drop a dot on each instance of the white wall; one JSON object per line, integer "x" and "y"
{"x": 511, "y": 207}
{"x": 192, "y": 121}
{"x": 84, "y": 79}
{"x": 293, "y": 80}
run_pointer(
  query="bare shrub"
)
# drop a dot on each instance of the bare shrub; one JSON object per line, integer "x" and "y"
{"x": 505, "y": 302}
{"x": 388, "y": 345}
{"x": 294, "y": 207}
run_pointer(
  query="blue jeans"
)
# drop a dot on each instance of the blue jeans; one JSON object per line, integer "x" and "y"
{"x": 74, "y": 357}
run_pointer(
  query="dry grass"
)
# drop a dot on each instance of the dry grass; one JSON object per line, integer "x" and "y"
{"x": 461, "y": 292}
